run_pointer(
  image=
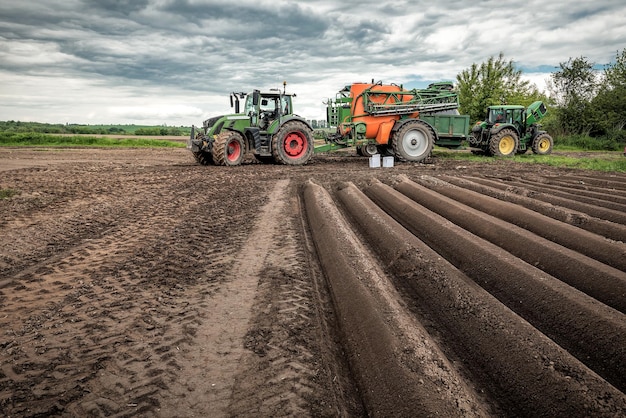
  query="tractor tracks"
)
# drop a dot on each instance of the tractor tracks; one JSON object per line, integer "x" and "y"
{"x": 527, "y": 311}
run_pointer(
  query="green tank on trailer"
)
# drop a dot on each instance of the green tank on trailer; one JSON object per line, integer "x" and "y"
{"x": 388, "y": 119}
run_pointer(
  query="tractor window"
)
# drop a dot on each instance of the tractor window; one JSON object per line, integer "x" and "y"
{"x": 269, "y": 104}
{"x": 496, "y": 116}
{"x": 517, "y": 115}
{"x": 249, "y": 106}
{"x": 285, "y": 105}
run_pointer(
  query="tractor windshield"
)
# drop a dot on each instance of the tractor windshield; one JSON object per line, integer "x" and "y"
{"x": 249, "y": 106}
{"x": 499, "y": 115}
{"x": 269, "y": 104}
{"x": 285, "y": 105}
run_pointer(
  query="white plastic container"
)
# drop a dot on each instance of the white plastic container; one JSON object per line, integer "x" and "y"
{"x": 375, "y": 161}
{"x": 388, "y": 161}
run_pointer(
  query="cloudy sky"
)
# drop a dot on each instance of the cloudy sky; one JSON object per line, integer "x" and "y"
{"x": 174, "y": 62}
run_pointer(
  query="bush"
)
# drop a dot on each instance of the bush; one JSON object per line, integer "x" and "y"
{"x": 588, "y": 143}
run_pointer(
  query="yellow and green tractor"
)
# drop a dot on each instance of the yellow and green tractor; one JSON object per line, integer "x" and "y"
{"x": 511, "y": 129}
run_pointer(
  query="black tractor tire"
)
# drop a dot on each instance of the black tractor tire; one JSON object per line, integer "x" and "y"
{"x": 367, "y": 150}
{"x": 414, "y": 141}
{"x": 504, "y": 143}
{"x": 475, "y": 139}
{"x": 543, "y": 144}
{"x": 385, "y": 150}
{"x": 228, "y": 149}
{"x": 264, "y": 159}
{"x": 293, "y": 143}
{"x": 203, "y": 157}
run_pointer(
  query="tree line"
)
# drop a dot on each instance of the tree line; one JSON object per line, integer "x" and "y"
{"x": 581, "y": 99}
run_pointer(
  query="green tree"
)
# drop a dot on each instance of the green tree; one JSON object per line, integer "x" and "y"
{"x": 610, "y": 102}
{"x": 573, "y": 87}
{"x": 493, "y": 82}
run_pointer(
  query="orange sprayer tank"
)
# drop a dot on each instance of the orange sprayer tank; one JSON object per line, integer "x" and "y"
{"x": 377, "y": 126}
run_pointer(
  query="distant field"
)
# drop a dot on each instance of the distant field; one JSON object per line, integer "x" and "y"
{"x": 178, "y": 138}
{"x": 34, "y": 139}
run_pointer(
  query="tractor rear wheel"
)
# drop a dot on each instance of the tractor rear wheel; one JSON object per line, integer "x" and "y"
{"x": 203, "y": 157}
{"x": 504, "y": 143}
{"x": 414, "y": 141}
{"x": 293, "y": 143}
{"x": 228, "y": 148}
{"x": 542, "y": 144}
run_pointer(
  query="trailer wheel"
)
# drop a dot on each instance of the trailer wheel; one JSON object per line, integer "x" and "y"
{"x": 542, "y": 144}
{"x": 228, "y": 149}
{"x": 293, "y": 143}
{"x": 414, "y": 141}
{"x": 368, "y": 150}
{"x": 504, "y": 143}
{"x": 203, "y": 157}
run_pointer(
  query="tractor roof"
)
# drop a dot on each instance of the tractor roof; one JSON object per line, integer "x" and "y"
{"x": 505, "y": 107}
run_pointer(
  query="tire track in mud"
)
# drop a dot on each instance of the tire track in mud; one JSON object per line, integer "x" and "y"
{"x": 111, "y": 299}
{"x": 219, "y": 338}
{"x": 557, "y": 341}
{"x": 287, "y": 343}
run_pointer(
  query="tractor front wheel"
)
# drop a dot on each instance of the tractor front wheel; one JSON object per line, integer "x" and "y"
{"x": 504, "y": 143}
{"x": 228, "y": 149}
{"x": 543, "y": 144}
{"x": 414, "y": 141}
{"x": 293, "y": 143}
{"x": 203, "y": 157}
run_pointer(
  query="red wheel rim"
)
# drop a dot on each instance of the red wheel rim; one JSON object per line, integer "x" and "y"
{"x": 233, "y": 151}
{"x": 295, "y": 144}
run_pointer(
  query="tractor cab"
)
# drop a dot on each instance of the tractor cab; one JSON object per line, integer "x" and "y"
{"x": 506, "y": 114}
{"x": 265, "y": 108}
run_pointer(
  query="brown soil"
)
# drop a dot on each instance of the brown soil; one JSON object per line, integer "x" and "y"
{"x": 138, "y": 283}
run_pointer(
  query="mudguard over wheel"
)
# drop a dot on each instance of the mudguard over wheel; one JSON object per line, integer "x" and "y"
{"x": 228, "y": 148}
{"x": 293, "y": 143}
{"x": 542, "y": 144}
{"x": 504, "y": 143}
{"x": 414, "y": 141}
{"x": 203, "y": 157}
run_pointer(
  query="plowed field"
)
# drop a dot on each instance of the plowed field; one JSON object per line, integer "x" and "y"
{"x": 138, "y": 283}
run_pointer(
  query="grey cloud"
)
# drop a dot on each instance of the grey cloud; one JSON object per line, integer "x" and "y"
{"x": 216, "y": 46}
{"x": 124, "y": 7}
{"x": 252, "y": 19}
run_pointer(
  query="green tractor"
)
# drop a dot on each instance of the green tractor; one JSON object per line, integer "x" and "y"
{"x": 267, "y": 129}
{"x": 510, "y": 130}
